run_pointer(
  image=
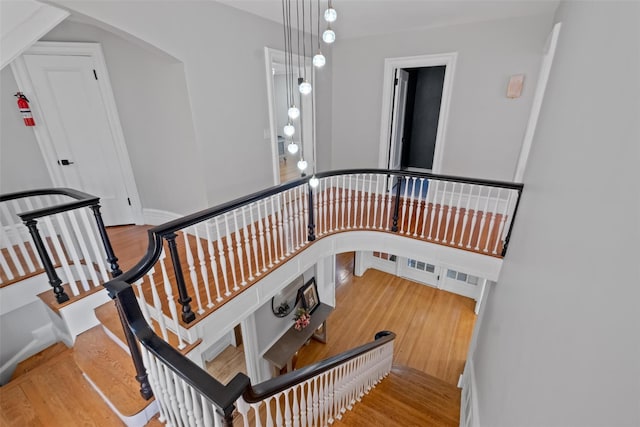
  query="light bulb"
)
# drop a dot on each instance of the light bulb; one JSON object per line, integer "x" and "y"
{"x": 329, "y": 36}
{"x": 293, "y": 112}
{"x": 289, "y": 130}
{"x": 305, "y": 88}
{"x": 319, "y": 60}
{"x": 302, "y": 164}
{"x": 330, "y": 15}
{"x": 292, "y": 147}
{"x": 313, "y": 182}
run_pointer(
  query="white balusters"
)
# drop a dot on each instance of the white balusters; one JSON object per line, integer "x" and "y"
{"x": 432, "y": 210}
{"x": 157, "y": 304}
{"x": 465, "y": 218}
{"x": 331, "y": 205}
{"x": 343, "y": 201}
{"x": 375, "y": 201}
{"x": 62, "y": 258}
{"x": 267, "y": 233}
{"x": 411, "y": 203}
{"x": 274, "y": 230}
{"x": 404, "y": 205}
{"x": 369, "y": 200}
{"x": 222, "y": 258}
{"x": 171, "y": 301}
{"x": 254, "y": 241}
{"x": 236, "y": 231}
{"x": 247, "y": 246}
{"x": 212, "y": 261}
{"x": 474, "y": 218}
{"x": 70, "y": 247}
{"x": 456, "y": 219}
{"x": 441, "y": 211}
{"x": 287, "y": 222}
{"x": 492, "y": 222}
{"x": 192, "y": 271}
{"x": 349, "y": 211}
{"x": 232, "y": 258}
{"x": 446, "y": 228}
{"x": 418, "y": 208}
{"x": 501, "y": 229}
{"x": 281, "y": 224}
{"x": 483, "y": 220}
{"x": 319, "y": 209}
{"x": 202, "y": 261}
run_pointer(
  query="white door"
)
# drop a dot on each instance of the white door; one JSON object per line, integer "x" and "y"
{"x": 74, "y": 111}
{"x": 420, "y": 271}
{"x": 397, "y": 123}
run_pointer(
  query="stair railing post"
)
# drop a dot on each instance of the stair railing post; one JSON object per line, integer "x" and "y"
{"x": 111, "y": 257}
{"x": 184, "y": 299}
{"x": 227, "y": 416}
{"x": 141, "y": 373}
{"x": 54, "y": 280}
{"x": 312, "y": 226}
{"x": 396, "y": 205}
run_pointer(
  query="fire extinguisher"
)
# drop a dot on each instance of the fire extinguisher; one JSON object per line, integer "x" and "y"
{"x": 23, "y": 106}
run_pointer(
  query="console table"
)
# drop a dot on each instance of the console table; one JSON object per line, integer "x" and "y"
{"x": 282, "y": 353}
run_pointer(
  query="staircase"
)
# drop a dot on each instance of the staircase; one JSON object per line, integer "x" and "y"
{"x": 96, "y": 378}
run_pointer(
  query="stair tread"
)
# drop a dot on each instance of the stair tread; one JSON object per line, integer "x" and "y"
{"x": 38, "y": 359}
{"x": 36, "y": 397}
{"x": 406, "y": 397}
{"x": 108, "y": 317}
{"x": 49, "y": 298}
{"x": 111, "y": 369}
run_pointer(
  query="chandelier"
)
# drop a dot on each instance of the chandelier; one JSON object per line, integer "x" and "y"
{"x": 306, "y": 15}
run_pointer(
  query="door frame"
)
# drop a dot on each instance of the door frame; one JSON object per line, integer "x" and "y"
{"x": 269, "y": 55}
{"x": 41, "y": 131}
{"x": 390, "y": 65}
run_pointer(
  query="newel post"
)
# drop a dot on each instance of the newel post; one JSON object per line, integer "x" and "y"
{"x": 312, "y": 226}
{"x": 396, "y": 204}
{"x": 54, "y": 280}
{"x": 111, "y": 257}
{"x": 184, "y": 299}
{"x": 141, "y": 373}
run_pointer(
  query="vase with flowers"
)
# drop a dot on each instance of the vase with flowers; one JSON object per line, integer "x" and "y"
{"x": 302, "y": 319}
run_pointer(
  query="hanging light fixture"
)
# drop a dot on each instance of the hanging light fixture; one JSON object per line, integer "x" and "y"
{"x": 292, "y": 147}
{"x": 293, "y": 112}
{"x": 329, "y": 36}
{"x": 288, "y": 129}
{"x": 304, "y": 41}
{"x": 330, "y": 14}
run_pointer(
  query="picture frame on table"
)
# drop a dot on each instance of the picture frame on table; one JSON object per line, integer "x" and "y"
{"x": 308, "y": 295}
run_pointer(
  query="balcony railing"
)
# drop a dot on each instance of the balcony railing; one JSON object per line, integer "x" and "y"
{"x": 215, "y": 254}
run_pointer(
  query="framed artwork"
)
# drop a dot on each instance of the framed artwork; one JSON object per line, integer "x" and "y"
{"x": 308, "y": 295}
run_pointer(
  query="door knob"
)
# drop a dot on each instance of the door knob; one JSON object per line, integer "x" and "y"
{"x": 64, "y": 162}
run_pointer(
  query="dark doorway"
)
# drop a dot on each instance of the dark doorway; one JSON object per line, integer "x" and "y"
{"x": 424, "y": 96}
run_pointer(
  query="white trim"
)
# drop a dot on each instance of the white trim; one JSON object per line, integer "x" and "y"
{"x": 93, "y": 50}
{"x": 157, "y": 216}
{"x": 390, "y": 65}
{"x": 36, "y": 25}
{"x": 538, "y": 98}
{"x": 269, "y": 55}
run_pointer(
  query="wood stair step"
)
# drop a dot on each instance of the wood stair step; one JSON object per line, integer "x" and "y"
{"x": 110, "y": 368}
{"x": 49, "y": 298}
{"x": 38, "y": 359}
{"x": 107, "y": 314}
{"x": 54, "y": 394}
{"x": 407, "y": 397}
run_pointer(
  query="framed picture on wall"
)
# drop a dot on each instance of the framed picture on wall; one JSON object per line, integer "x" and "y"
{"x": 309, "y": 295}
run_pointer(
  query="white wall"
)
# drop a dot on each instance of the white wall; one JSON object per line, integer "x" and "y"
{"x": 152, "y": 100}
{"x": 560, "y": 343}
{"x": 21, "y": 164}
{"x": 485, "y": 129}
{"x": 223, "y": 54}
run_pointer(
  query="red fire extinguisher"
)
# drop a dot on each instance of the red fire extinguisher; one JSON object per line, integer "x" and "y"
{"x": 23, "y": 106}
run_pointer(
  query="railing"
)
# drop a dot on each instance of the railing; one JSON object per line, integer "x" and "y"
{"x": 59, "y": 235}
{"x": 197, "y": 263}
{"x": 313, "y": 396}
{"x": 216, "y": 253}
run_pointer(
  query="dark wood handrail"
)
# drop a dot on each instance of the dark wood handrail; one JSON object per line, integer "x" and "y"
{"x": 156, "y": 234}
{"x": 223, "y": 396}
{"x": 276, "y": 385}
{"x": 81, "y": 200}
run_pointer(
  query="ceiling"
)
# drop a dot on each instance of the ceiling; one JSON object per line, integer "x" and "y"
{"x": 358, "y": 18}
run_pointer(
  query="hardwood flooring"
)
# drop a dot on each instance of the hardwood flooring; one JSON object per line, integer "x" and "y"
{"x": 433, "y": 327}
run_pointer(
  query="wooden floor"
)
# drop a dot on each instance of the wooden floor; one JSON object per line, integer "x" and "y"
{"x": 433, "y": 327}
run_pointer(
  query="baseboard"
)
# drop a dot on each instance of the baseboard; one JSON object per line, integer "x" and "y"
{"x": 469, "y": 415}
{"x": 157, "y": 216}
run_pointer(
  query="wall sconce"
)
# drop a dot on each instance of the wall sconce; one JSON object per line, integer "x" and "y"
{"x": 514, "y": 88}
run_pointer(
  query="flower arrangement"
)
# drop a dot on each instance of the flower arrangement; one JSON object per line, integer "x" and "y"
{"x": 302, "y": 319}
